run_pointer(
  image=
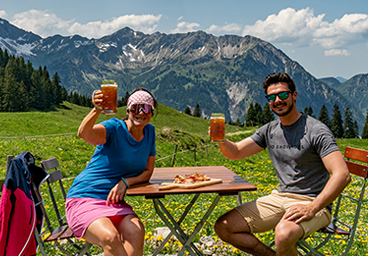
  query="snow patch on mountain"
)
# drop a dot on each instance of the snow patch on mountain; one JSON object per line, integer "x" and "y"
{"x": 15, "y": 48}
{"x": 79, "y": 43}
{"x": 104, "y": 47}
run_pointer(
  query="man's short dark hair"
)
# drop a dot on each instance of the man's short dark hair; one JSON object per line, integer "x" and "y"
{"x": 276, "y": 78}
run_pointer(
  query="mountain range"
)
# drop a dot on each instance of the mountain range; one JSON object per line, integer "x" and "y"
{"x": 221, "y": 74}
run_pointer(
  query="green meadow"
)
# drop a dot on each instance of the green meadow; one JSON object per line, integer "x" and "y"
{"x": 54, "y": 134}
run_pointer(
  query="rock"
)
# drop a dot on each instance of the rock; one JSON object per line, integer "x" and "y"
{"x": 207, "y": 252}
{"x": 162, "y": 231}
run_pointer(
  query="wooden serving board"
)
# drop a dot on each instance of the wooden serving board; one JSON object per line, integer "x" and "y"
{"x": 170, "y": 185}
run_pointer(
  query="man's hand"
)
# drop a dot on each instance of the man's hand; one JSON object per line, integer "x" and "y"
{"x": 116, "y": 193}
{"x": 299, "y": 212}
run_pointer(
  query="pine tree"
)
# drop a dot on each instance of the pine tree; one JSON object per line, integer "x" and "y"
{"x": 306, "y": 110}
{"x": 309, "y": 111}
{"x": 365, "y": 128}
{"x": 188, "y": 111}
{"x": 349, "y": 129}
{"x": 336, "y": 122}
{"x": 238, "y": 122}
{"x": 356, "y": 129}
{"x": 5, "y": 58}
{"x": 57, "y": 90}
{"x": 258, "y": 113}
{"x": 323, "y": 116}
{"x": 23, "y": 105}
{"x": 197, "y": 111}
{"x": 64, "y": 94}
{"x": 124, "y": 100}
{"x": 10, "y": 91}
{"x": 251, "y": 116}
{"x": 14, "y": 95}
{"x": 267, "y": 114}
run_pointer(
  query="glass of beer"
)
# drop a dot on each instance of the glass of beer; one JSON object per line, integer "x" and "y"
{"x": 109, "y": 105}
{"x": 217, "y": 132}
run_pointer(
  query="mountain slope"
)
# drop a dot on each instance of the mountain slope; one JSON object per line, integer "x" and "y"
{"x": 221, "y": 74}
{"x": 356, "y": 90}
{"x": 330, "y": 81}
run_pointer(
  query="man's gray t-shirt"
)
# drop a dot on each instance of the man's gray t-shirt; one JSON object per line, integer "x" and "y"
{"x": 296, "y": 153}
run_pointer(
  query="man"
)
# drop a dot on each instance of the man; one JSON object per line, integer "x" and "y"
{"x": 310, "y": 169}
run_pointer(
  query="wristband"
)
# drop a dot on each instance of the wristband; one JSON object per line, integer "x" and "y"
{"x": 126, "y": 183}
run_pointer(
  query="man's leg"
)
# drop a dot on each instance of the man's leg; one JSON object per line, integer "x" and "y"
{"x": 232, "y": 228}
{"x": 287, "y": 234}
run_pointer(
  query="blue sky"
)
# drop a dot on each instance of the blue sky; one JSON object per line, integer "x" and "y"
{"x": 328, "y": 38}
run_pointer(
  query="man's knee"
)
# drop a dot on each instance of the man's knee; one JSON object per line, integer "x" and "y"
{"x": 287, "y": 234}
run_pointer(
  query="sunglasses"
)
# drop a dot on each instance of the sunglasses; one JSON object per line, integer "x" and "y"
{"x": 281, "y": 95}
{"x": 147, "y": 109}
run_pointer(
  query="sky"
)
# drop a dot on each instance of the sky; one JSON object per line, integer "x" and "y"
{"x": 329, "y": 38}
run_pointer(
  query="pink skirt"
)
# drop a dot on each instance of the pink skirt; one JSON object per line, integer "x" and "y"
{"x": 81, "y": 212}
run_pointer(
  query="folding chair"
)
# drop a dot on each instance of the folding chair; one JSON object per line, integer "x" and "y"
{"x": 56, "y": 232}
{"x": 343, "y": 227}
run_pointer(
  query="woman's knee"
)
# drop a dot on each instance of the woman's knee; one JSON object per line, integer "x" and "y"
{"x": 111, "y": 238}
{"x": 133, "y": 230}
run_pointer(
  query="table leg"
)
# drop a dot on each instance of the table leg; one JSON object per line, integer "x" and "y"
{"x": 173, "y": 226}
{"x": 239, "y": 198}
{"x": 167, "y": 238}
{"x": 200, "y": 224}
{"x": 177, "y": 230}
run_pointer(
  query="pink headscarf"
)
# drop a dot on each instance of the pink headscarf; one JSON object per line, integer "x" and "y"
{"x": 141, "y": 97}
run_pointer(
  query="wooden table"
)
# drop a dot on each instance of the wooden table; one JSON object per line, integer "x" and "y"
{"x": 231, "y": 184}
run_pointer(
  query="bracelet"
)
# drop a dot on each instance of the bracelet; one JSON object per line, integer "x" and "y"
{"x": 126, "y": 183}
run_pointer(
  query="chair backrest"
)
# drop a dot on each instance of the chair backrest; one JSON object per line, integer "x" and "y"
{"x": 356, "y": 160}
{"x": 357, "y": 155}
{"x": 57, "y": 230}
{"x": 343, "y": 225}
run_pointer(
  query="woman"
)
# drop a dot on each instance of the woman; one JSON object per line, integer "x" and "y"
{"x": 124, "y": 156}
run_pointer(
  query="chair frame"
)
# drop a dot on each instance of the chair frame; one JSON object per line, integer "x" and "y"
{"x": 338, "y": 226}
{"x": 60, "y": 233}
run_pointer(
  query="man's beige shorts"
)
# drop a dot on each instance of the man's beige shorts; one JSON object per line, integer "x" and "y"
{"x": 264, "y": 213}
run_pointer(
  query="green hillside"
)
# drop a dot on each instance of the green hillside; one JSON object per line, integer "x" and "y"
{"x": 54, "y": 134}
{"x": 67, "y": 118}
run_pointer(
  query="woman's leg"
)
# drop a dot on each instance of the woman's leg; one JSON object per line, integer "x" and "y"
{"x": 132, "y": 233}
{"x": 103, "y": 232}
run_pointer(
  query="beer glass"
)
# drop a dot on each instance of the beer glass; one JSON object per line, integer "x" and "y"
{"x": 217, "y": 133}
{"x": 109, "y": 105}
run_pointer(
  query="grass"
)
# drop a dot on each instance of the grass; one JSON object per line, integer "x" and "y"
{"x": 172, "y": 128}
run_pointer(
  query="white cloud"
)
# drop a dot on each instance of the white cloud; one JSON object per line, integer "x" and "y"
{"x": 231, "y": 28}
{"x": 337, "y": 52}
{"x": 184, "y": 27}
{"x": 350, "y": 29}
{"x": 42, "y": 23}
{"x": 46, "y": 24}
{"x": 145, "y": 23}
{"x": 288, "y": 26}
{"x": 303, "y": 28}
{"x": 180, "y": 18}
{"x": 3, "y": 13}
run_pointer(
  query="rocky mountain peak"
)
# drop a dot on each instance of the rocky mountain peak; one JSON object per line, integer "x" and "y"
{"x": 221, "y": 74}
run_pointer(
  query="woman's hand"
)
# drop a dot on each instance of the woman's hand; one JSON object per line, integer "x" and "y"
{"x": 88, "y": 131}
{"x": 97, "y": 99}
{"x": 117, "y": 193}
